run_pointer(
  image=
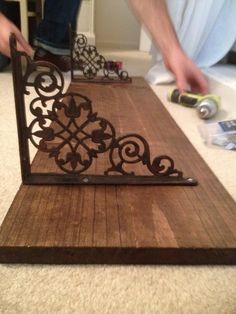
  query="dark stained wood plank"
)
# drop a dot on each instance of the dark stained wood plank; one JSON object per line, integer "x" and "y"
{"x": 113, "y": 221}
{"x": 126, "y": 217}
{"x": 125, "y": 224}
{"x": 100, "y": 217}
{"x": 87, "y": 218}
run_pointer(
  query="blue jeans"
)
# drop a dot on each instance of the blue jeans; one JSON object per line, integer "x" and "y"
{"x": 53, "y": 31}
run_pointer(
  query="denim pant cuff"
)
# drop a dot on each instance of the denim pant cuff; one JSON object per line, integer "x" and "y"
{"x": 49, "y": 47}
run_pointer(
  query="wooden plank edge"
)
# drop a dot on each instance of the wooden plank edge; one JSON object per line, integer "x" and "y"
{"x": 115, "y": 255}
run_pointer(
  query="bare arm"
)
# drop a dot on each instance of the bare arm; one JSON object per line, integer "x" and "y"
{"x": 6, "y": 28}
{"x": 154, "y": 15}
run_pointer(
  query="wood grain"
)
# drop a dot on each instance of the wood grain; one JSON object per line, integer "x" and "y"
{"x": 125, "y": 224}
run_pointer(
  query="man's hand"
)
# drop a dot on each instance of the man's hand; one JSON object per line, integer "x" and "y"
{"x": 6, "y": 28}
{"x": 187, "y": 74}
{"x": 154, "y": 15}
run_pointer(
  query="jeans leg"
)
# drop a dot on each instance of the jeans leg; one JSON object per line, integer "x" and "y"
{"x": 53, "y": 31}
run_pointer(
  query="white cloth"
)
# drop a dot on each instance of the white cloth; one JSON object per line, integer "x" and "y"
{"x": 206, "y": 31}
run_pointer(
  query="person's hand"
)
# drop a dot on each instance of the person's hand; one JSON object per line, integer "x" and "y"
{"x": 6, "y": 28}
{"x": 154, "y": 15}
{"x": 187, "y": 74}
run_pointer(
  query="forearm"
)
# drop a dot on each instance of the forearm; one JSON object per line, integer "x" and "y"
{"x": 154, "y": 15}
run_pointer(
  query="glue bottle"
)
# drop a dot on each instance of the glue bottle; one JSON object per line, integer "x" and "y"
{"x": 206, "y": 105}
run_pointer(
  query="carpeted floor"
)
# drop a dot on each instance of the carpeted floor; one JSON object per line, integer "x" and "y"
{"x": 99, "y": 289}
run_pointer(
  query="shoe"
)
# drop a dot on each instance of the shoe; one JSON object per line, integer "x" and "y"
{"x": 4, "y": 61}
{"x": 61, "y": 61}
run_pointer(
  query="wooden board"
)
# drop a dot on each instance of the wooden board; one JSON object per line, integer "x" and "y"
{"x": 125, "y": 224}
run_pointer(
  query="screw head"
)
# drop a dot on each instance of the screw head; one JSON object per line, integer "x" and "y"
{"x": 190, "y": 179}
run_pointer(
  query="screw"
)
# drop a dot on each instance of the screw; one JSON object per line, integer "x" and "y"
{"x": 190, "y": 179}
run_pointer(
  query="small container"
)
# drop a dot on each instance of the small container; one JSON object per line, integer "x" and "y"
{"x": 222, "y": 133}
{"x": 113, "y": 65}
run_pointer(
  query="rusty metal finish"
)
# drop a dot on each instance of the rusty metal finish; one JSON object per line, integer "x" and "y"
{"x": 64, "y": 127}
{"x": 86, "y": 60}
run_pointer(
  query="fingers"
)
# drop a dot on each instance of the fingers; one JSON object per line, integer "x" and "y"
{"x": 27, "y": 49}
{"x": 181, "y": 80}
{"x": 191, "y": 78}
{"x": 202, "y": 85}
{"x": 22, "y": 44}
{"x": 188, "y": 76}
{"x": 198, "y": 83}
{"x": 181, "y": 83}
{"x": 6, "y": 28}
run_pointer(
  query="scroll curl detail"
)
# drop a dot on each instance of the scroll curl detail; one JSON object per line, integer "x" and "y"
{"x": 87, "y": 59}
{"x": 133, "y": 148}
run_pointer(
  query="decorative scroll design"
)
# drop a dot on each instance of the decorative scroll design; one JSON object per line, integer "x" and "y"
{"x": 85, "y": 135}
{"x": 133, "y": 148}
{"x": 89, "y": 62}
{"x": 65, "y": 127}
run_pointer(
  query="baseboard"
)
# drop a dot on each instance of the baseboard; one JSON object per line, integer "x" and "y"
{"x": 117, "y": 45}
{"x": 223, "y": 74}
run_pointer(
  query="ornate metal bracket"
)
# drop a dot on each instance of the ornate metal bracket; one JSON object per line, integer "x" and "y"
{"x": 89, "y": 64}
{"x": 64, "y": 127}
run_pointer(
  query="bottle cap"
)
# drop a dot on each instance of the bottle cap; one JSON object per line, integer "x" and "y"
{"x": 207, "y": 108}
{"x": 203, "y": 112}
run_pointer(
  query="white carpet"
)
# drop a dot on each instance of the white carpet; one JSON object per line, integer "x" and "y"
{"x": 99, "y": 289}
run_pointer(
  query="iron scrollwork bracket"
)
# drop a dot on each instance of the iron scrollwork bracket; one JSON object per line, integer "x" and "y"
{"x": 87, "y": 65}
{"x": 65, "y": 127}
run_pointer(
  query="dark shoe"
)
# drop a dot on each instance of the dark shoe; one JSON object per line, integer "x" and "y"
{"x": 4, "y": 61}
{"x": 61, "y": 61}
